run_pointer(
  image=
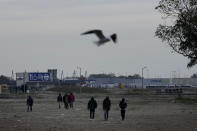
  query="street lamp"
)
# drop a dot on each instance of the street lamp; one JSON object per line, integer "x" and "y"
{"x": 142, "y": 76}
{"x": 79, "y": 77}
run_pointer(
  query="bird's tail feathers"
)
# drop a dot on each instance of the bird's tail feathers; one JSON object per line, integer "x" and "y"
{"x": 114, "y": 38}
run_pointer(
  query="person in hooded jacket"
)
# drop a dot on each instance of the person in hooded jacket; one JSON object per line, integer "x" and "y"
{"x": 106, "y": 107}
{"x": 92, "y": 105}
{"x": 123, "y": 106}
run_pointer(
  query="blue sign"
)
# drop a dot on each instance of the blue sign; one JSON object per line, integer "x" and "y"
{"x": 39, "y": 77}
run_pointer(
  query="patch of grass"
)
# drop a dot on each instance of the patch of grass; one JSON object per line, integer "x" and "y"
{"x": 78, "y": 89}
{"x": 186, "y": 100}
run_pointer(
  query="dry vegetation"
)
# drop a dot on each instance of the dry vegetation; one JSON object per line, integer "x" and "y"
{"x": 146, "y": 112}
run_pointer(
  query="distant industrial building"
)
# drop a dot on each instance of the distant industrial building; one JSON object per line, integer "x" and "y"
{"x": 36, "y": 78}
{"x": 39, "y": 79}
{"x": 53, "y": 74}
{"x": 146, "y": 83}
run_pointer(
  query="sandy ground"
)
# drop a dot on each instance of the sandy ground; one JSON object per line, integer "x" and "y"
{"x": 144, "y": 113}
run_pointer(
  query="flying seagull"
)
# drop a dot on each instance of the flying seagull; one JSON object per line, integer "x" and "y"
{"x": 102, "y": 39}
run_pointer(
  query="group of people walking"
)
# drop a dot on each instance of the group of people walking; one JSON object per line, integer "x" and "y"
{"x": 92, "y": 105}
{"x": 67, "y": 99}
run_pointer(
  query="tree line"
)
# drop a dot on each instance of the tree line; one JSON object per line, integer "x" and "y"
{"x": 112, "y": 75}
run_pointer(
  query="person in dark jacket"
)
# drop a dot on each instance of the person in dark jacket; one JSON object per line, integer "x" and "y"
{"x": 92, "y": 105}
{"x": 29, "y": 103}
{"x": 123, "y": 106}
{"x": 59, "y": 100}
{"x": 65, "y": 100}
{"x": 106, "y": 107}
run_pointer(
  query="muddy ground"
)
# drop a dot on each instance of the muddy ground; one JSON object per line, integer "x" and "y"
{"x": 144, "y": 113}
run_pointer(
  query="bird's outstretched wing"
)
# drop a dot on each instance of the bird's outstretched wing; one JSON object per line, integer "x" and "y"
{"x": 114, "y": 38}
{"x": 98, "y": 33}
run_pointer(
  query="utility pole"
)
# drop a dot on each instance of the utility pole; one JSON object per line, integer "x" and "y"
{"x": 24, "y": 81}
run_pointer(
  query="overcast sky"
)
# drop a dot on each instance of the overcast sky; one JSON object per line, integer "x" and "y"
{"x": 36, "y": 35}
